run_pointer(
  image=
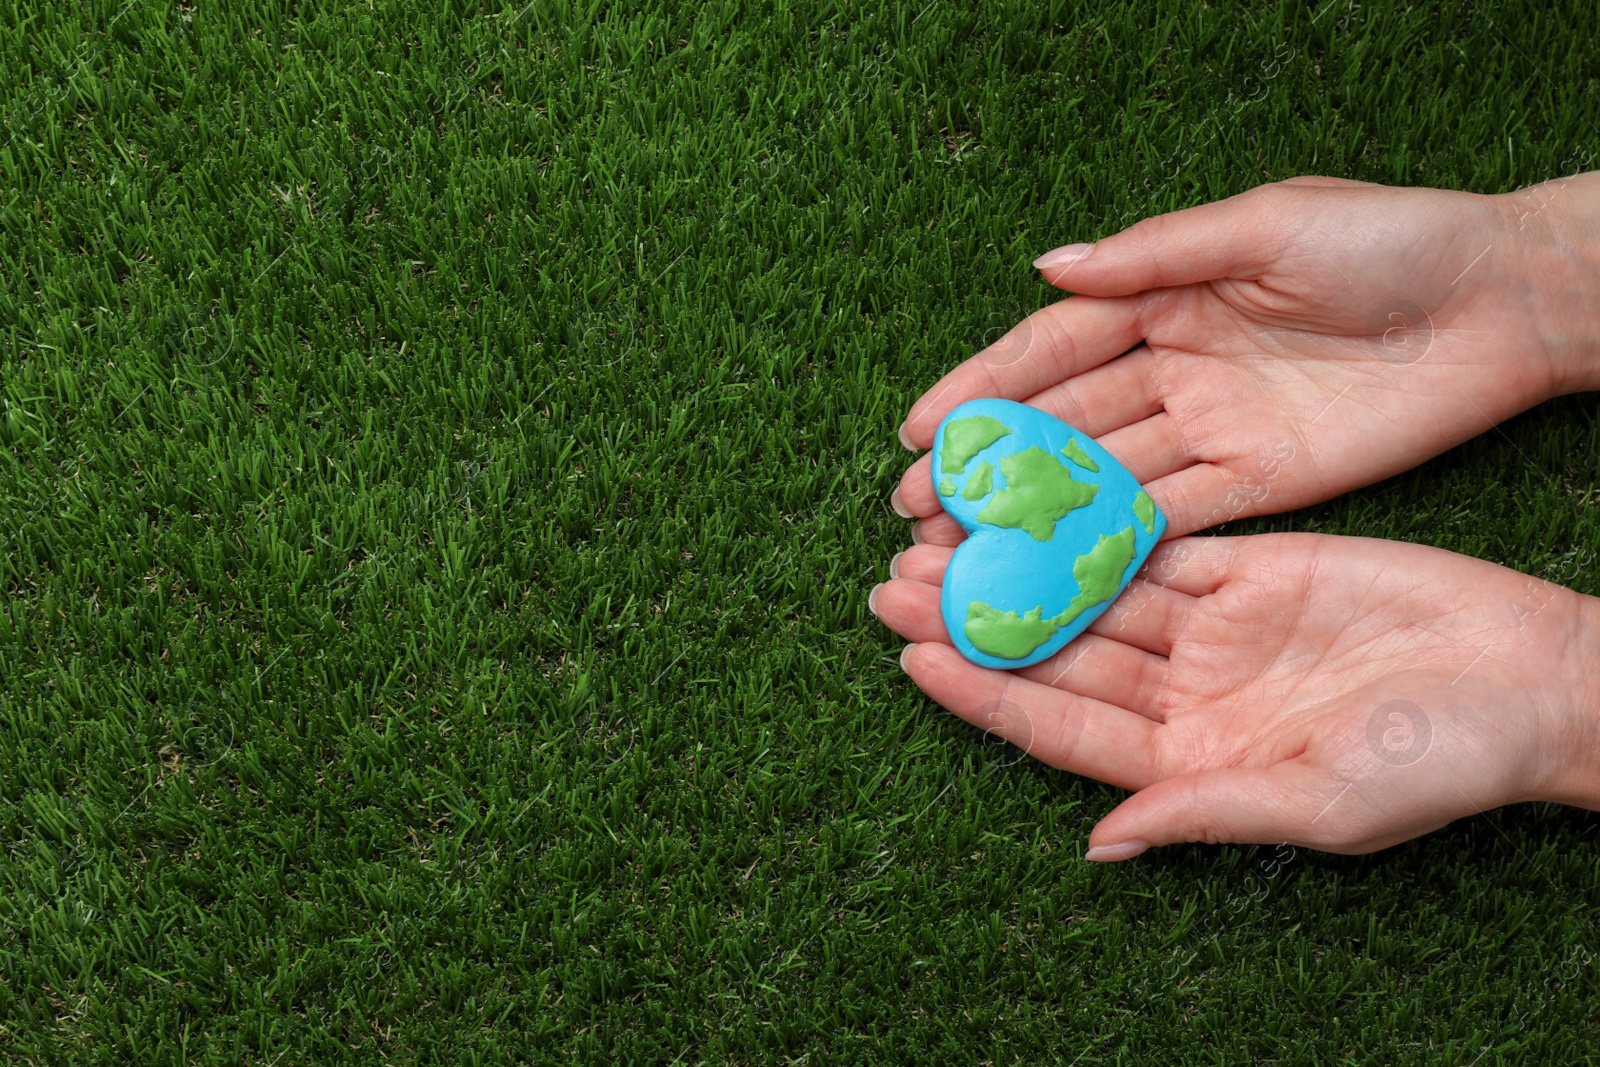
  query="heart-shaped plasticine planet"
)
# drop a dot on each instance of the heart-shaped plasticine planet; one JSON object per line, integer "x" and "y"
{"x": 1055, "y": 529}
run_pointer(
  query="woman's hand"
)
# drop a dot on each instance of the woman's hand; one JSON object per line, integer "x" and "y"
{"x": 1299, "y": 340}
{"x": 1340, "y": 693}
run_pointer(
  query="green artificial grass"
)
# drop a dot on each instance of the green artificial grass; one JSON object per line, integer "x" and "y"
{"x": 446, "y": 450}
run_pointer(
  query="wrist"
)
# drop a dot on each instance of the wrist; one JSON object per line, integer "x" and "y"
{"x": 1575, "y": 729}
{"x": 1555, "y": 226}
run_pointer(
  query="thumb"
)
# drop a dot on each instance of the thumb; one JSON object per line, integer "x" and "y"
{"x": 1234, "y": 238}
{"x": 1291, "y": 803}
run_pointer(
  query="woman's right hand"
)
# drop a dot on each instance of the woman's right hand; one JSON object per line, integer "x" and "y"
{"x": 1336, "y": 692}
{"x": 1300, "y": 340}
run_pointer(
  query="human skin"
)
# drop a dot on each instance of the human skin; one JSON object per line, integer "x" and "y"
{"x": 1338, "y": 693}
{"x": 1297, "y": 341}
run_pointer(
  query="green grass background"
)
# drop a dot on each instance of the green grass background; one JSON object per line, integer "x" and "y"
{"x": 446, "y": 453}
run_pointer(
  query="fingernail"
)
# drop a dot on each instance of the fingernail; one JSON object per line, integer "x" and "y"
{"x": 904, "y": 439}
{"x": 905, "y": 654}
{"x": 894, "y": 565}
{"x": 872, "y": 598}
{"x": 899, "y": 506}
{"x": 1061, "y": 257}
{"x": 916, "y": 534}
{"x": 1122, "y": 850}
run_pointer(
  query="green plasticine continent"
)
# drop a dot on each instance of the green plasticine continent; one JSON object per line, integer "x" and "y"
{"x": 980, "y": 482}
{"x": 965, "y": 438}
{"x": 1039, "y": 490}
{"x": 1012, "y": 636}
{"x": 946, "y": 486}
{"x": 1144, "y": 509}
{"x": 1006, "y": 634}
{"x": 1099, "y": 574}
{"x": 1075, "y": 452}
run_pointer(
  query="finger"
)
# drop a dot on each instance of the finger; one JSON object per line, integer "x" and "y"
{"x": 922, "y": 563}
{"x": 910, "y": 609}
{"x": 1150, "y": 449}
{"x": 1196, "y": 566}
{"x": 1106, "y": 398}
{"x": 1108, "y": 671}
{"x": 1234, "y": 238}
{"x": 1047, "y": 347}
{"x": 915, "y": 492}
{"x": 1201, "y": 496}
{"x": 938, "y": 529}
{"x": 1146, "y": 616}
{"x": 1281, "y": 804}
{"x": 1063, "y": 729}
{"x": 1324, "y": 181}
